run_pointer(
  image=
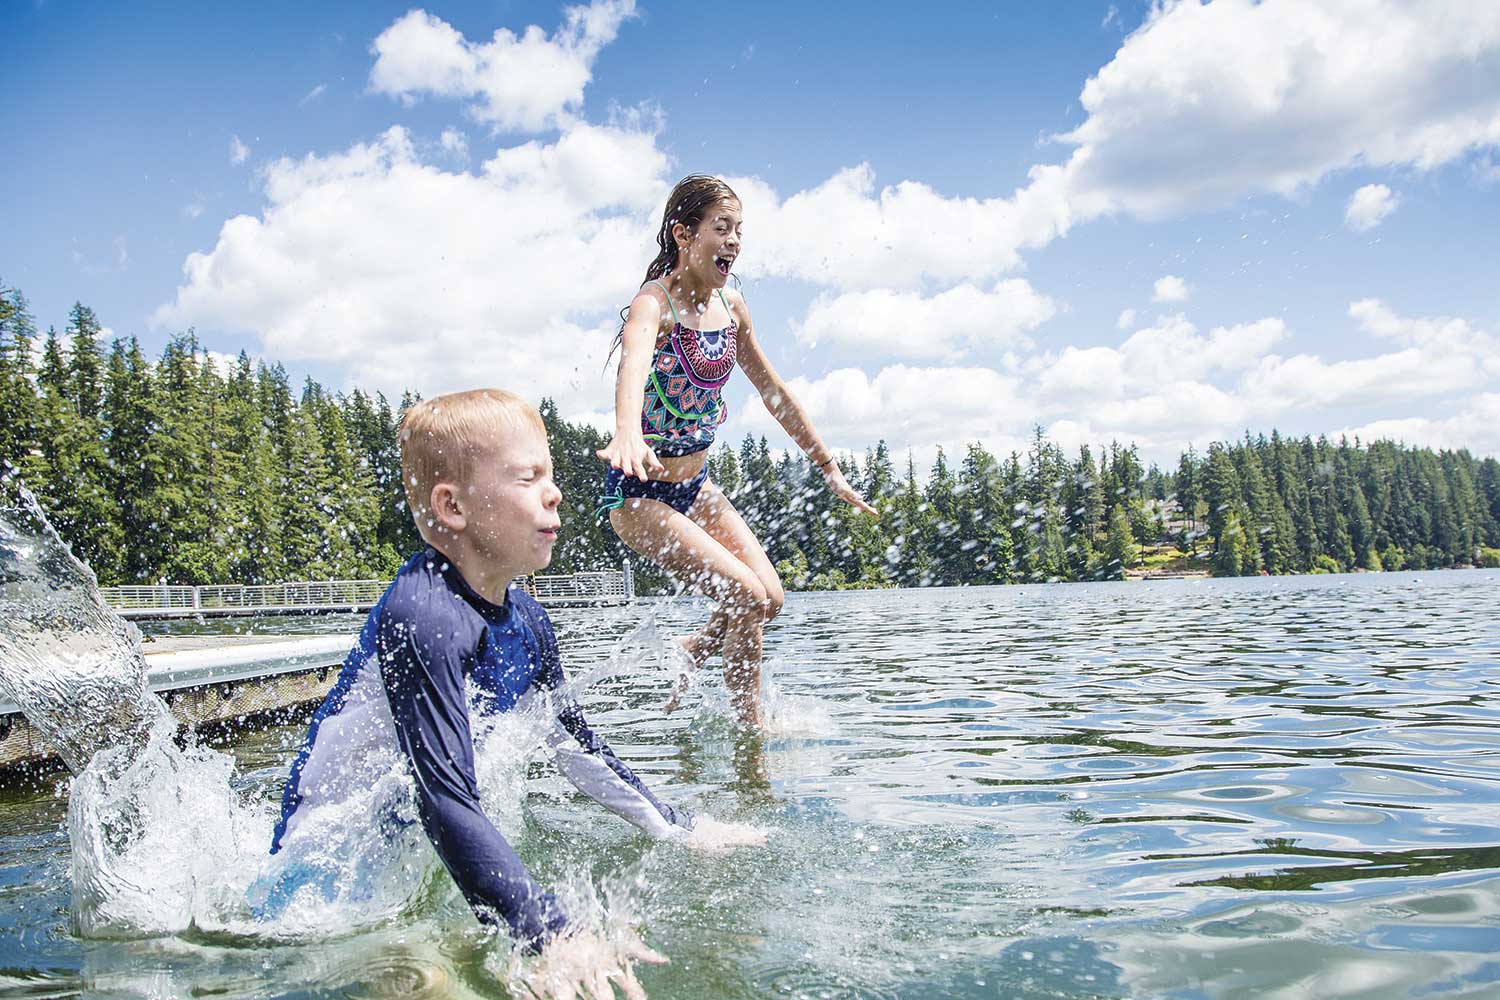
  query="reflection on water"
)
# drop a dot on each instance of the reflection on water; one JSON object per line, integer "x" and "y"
{"x": 1260, "y": 788}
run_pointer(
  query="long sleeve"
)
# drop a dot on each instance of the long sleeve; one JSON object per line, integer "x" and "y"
{"x": 586, "y": 759}
{"x": 422, "y": 665}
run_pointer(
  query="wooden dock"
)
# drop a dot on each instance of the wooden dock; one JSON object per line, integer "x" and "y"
{"x": 207, "y": 679}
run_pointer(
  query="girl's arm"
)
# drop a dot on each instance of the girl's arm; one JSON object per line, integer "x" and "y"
{"x": 789, "y": 413}
{"x": 627, "y": 450}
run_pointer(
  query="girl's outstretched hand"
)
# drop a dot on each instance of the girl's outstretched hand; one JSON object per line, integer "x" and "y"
{"x": 841, "y": 489}
{"x": 632, "y": 456}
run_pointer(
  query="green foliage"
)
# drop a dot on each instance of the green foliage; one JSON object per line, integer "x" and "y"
{"x": 1120, "y": 550}
{"x": 1325, "y": 563}
{"x": 1234, "y": 554}
{"x": 174, "y": 470}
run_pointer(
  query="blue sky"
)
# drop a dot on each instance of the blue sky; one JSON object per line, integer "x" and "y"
{"x": 1159, "y": 224}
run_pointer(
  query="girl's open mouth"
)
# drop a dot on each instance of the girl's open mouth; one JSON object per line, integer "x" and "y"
{"x": 723, "y": 264}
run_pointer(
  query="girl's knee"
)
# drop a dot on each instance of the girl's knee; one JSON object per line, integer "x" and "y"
{"x": 775, "y": 599}
{"x": 747, "y": 597}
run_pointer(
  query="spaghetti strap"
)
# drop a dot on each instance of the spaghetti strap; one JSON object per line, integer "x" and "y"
{"x": 726, "y": 307}
{"x": 675, "y": 318}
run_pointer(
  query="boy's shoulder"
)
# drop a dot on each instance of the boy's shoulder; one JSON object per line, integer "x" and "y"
{"x": 425, "y": 599}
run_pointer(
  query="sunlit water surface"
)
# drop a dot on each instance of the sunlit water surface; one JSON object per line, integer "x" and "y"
{"x": 1262, "y": 788}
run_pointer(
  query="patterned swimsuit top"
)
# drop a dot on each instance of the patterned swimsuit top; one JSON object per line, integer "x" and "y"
{"x": 682, "y": 407}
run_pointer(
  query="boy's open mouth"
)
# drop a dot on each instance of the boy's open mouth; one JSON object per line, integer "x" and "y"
{"x": 723, "y": 264}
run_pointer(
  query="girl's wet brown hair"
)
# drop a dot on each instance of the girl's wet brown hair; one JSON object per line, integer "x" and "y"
{"x": 688, "y": 203}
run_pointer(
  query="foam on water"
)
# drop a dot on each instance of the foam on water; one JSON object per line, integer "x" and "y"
{"x": 161, "y": 842}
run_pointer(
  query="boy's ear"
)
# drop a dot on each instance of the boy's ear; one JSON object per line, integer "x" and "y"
{"x": 446, "y": 508}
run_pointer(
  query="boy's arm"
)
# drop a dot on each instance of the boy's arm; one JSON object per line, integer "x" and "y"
{"x": 587, "y": 761}
{"x": 425, "y": 686}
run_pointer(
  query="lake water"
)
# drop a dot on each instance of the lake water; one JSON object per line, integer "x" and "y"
{"x": 1253, "y": 788}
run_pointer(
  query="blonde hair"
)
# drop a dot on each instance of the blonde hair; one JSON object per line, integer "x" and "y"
{"x": 441, "y": 438}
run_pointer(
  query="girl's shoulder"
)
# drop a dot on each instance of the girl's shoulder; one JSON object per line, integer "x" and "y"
{"x": 654, "y": 291}
{"x": 738, "y": 307}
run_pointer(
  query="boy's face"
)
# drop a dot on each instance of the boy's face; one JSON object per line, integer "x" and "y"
{"x": 510, "y": 506}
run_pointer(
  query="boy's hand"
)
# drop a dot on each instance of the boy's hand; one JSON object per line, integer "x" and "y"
{"x": 834, "y": 476}
{"x": 586, "y": 964}
{"x": 631, "y": 455}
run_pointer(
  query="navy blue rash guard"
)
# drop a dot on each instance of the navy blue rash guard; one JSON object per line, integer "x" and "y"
{"x": 429, "y": 648}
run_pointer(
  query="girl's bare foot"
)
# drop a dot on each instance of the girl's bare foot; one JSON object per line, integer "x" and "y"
{"x": 681, "y": 653}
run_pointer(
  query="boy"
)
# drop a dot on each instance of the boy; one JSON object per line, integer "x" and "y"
{"x": 478, "y": 478}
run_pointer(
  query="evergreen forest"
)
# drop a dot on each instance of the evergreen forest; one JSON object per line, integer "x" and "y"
{"x": 177, "y": 469}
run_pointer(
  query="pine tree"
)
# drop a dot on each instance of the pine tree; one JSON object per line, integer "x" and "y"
{"x": 130, "y": 412}
{"x": 910, "y": 556}
{"x": 18, "y": 398}
{"x": 1232, "y": 556}
{"x": 191, "y": 489}
{"x": 880, "y": 477}
{"x": 310, "y": 497}
{"x": 1120, "y": 551}
{"x": 984, "y": 534}
{"x": 943, "y": 507}
{"x": 1187, "y": 487}
{"x": 256, "y": 556}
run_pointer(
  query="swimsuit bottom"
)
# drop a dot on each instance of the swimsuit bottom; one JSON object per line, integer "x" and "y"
{"x": 618, "y": 487}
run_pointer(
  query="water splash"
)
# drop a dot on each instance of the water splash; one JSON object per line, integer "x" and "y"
{"x": 159, "y": 839}
{"x": 71, "y": 665}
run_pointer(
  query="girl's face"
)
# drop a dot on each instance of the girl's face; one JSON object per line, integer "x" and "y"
{"x": 710, "y": 250}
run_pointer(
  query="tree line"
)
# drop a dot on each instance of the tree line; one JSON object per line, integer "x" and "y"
{"x": 177, "y": 469}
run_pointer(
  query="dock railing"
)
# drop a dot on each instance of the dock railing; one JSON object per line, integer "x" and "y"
{"x": 178, "y": 600}
{"x": 605, "y": 586}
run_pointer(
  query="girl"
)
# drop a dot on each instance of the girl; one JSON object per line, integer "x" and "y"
{"x": 682, "y": 335}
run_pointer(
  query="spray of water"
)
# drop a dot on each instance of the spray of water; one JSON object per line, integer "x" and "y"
{"x": 68, "y": 662}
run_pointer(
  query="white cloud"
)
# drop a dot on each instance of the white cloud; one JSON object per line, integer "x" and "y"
{"x": 907, "y": 406}
{"x": 411, "y": 276}
{"x": 1434, "y": 337}
{"x": 526, "y": 82}
{"x": 1368, "y": 207}
{"x": 908, "y": 324}
{"x": 313, "y": 95}
{"x": 1154, "y": 360}
{"x": 193, "y": 209}
{"x": 1168, "y": 385}
{"x": 845, "y": 234}
{"x": 1169, "y": 288}
{"x": 1476, "y": 427}
{"x": 1201, "y": 105}
{"x": 455, "y": 142}
{"x": 1439, "y": 357}
{"x": 1206, "y": 103}
{"x": 1126, "y": 320}
{"x": 238, "y": 151}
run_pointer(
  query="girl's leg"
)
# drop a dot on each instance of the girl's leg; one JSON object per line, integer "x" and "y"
{"x": 687, "y": 551}
{"x": 713, "y": 512}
